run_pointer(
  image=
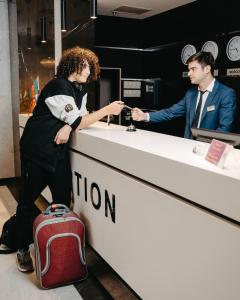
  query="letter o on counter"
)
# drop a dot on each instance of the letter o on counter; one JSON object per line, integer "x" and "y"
{"x": 95, "y": 202}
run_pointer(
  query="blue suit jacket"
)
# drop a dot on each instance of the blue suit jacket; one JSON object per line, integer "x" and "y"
{"x": 218, "y": 112}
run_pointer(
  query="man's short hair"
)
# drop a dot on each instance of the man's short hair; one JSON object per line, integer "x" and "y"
{"x": 204, "y": 58}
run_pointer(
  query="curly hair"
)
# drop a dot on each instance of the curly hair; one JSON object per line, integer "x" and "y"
{"x": 74, "y": 60}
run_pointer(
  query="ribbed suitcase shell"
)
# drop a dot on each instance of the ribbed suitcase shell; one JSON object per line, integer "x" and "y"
{"x": 59, "y": 243}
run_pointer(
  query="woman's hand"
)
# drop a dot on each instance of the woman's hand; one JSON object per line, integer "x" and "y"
{"x": 115, "y": 107}
{"x": 63, "y": 134}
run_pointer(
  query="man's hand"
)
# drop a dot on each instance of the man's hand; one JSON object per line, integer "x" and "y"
{"x": 138, "y": 114}
{"x": 115, "y": 107}
{"x": 63, "y": 134}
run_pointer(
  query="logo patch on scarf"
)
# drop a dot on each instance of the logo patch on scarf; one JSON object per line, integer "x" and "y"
{"x": 68, "y": 107}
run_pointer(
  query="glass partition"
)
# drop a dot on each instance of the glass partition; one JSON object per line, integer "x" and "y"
{"x": 35, "y": 49}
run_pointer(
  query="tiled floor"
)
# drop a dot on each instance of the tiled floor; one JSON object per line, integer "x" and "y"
{"x": 101, "y": 284}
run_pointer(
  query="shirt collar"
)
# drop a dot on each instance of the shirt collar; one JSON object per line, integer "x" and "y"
{"x": 210, "y": 87}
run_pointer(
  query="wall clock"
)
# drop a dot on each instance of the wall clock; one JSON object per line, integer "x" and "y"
{"x": 233, "y": 48}
{"x": 211, "y": 46}
{"x": 187, "y": 51}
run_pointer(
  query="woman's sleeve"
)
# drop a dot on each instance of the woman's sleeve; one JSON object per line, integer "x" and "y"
{"x": 62, "y": 105}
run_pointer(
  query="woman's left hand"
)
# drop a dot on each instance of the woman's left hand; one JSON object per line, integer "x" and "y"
{"x": 63, "y": 134}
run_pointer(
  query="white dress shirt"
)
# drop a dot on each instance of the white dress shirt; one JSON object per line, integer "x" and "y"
{"x": 204, "y": 98}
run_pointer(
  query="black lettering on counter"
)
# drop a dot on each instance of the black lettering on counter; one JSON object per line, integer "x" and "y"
{"x": 110, "y": 206}
{"x": 97, "y": 203}
{"x": 79, "y": 176}
{"x": 85, "y": 188}
{"x": 96, "y": 197}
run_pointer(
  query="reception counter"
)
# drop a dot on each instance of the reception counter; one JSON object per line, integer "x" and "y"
{"x": 162, "y": 217}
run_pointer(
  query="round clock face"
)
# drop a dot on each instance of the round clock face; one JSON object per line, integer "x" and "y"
{"x": 211, "y": 46}
{"x": 187, "y": 51}
{"x": 233, "y": 48}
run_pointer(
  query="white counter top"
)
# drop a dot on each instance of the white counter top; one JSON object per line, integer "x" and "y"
{"x": 165, "y": 161}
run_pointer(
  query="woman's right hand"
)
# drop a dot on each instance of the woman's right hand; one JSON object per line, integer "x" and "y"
{"x": 63, "y": 134}
{"x": 115, "y": 107}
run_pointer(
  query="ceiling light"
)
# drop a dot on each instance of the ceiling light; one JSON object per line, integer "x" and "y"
{"x": 29, "y": 38}
{"x": 43, "y": 29}
{"x": 93, "y": 7}
{"x": 63, "y": 16}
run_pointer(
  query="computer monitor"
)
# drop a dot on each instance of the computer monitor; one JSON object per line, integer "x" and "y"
{"x": 205, "y": 135}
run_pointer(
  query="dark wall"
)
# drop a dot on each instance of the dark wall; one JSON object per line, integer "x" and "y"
{"x": 131, "y": 62}
{"x": 80, "y": 28}
{"x": 121, "y": 32}
{"x": 169, "y": 32}
{"x": 80, "y": 32}
{"x": 198, "y": 19}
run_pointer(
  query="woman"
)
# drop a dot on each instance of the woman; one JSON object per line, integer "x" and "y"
{"x": 61, "y": 108}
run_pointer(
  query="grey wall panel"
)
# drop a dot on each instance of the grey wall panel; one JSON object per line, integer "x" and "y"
{"x": 6, "y": 120}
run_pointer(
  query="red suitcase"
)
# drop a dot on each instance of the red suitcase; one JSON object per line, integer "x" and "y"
{"x": 59, "y": 245}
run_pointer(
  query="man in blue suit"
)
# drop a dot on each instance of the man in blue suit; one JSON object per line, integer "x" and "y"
{"x": 210, "y": 105}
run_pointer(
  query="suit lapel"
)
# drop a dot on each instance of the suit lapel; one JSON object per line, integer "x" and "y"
{"x": 209, "y": 99}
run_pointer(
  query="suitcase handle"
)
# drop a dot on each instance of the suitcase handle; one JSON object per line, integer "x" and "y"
{"x": 56, "y": 210}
